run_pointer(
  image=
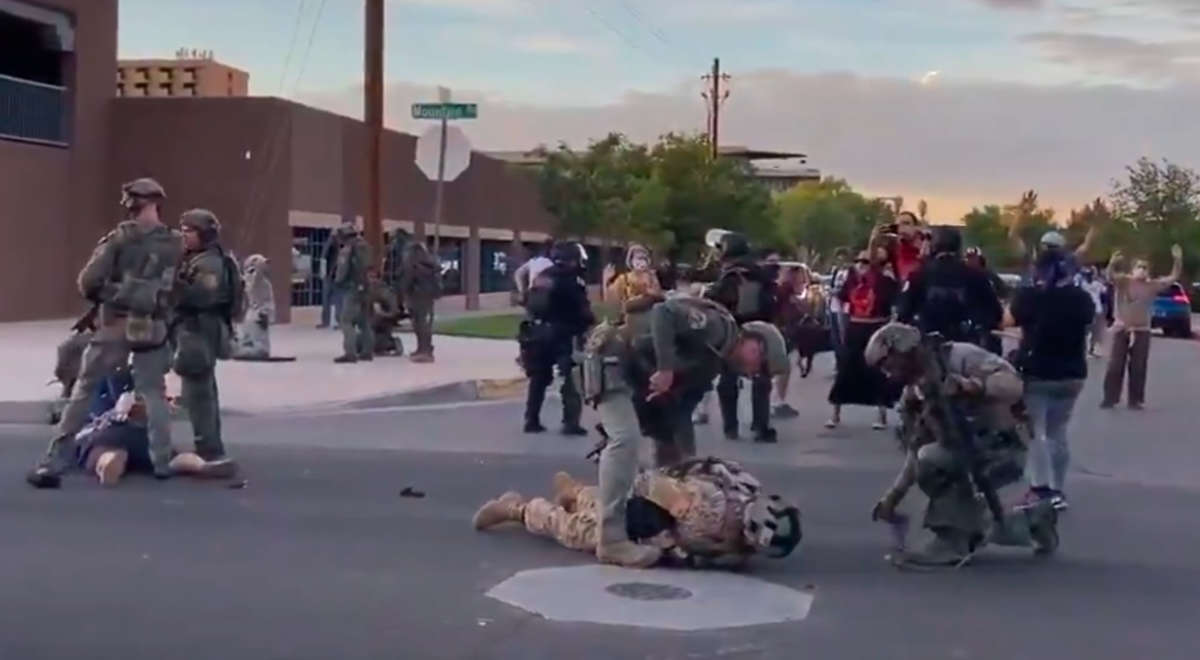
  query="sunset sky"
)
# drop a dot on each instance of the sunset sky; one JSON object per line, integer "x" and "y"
{"x": 962, "y": 102}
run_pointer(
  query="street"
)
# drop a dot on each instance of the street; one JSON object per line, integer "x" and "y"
{"x": 319, "y": 556}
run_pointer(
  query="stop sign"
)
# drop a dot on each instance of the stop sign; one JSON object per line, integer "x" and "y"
{"x": 458, "y": 153}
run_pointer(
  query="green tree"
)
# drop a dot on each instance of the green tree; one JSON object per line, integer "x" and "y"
{"x": 1156, "y": 207}
{"x": 591, "y": 192}
{"x": 820, "y": 217}
{"x": 985, "y": 229}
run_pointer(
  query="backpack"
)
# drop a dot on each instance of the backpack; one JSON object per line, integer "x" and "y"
{"x": 236, "y": 311}
{"x": 747, "y": 298}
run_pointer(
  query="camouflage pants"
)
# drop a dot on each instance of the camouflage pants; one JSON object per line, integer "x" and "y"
{"x": 576, "y": 528}
{"x": 358, "y": 339}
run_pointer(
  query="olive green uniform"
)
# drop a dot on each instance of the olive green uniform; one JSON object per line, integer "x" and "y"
{"x": 385, "y": 314}
{"x": 131, "y": 274}
{"x": 202, "y": 335}
{"x": 687, "y": 336}
{"x": 354, "y": 256}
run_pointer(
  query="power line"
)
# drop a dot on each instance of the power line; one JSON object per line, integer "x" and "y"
{"x": 312, "y": 33}
{"x": 287, "y": 60}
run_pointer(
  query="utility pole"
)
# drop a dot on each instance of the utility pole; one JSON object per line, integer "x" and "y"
{"x": 715, "y": 96}
{"x": 373, "y": 112}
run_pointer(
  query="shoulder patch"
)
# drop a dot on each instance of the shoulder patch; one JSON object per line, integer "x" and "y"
{"x": 696, "y": 319}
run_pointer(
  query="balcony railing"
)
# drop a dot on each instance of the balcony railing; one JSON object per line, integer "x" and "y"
{"x": 32, "y": 111}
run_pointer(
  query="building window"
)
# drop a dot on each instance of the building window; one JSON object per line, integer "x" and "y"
{"x": 189, "y": 90}
{"x": 189, "y": 75}
{"x": 165, "y": 89}
{"x": 35, "y": 44}
{"x": 120, "y": 75}
{"x": 142, "y": 75}
{"x": 141, "y": 89}
{"x": 167, "y": 73}
{"x": 120, "y": 90}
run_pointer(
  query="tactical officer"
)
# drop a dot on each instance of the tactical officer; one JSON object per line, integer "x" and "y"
{"x": 686, "y": 343}
{"x": 210, "y": 298}
{"x": 354, "y": 256}
{"x": 558, "y": 312}
{"x": 963, "y": 440}
{"x": 949, "y": 297}
{"x": 130, "y": 276}
{"x": 748, "y": 291}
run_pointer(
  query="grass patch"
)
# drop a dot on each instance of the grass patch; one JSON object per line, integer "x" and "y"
{"x": 499, "y": 326}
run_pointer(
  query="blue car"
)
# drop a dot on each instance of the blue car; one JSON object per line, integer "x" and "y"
{"x": 1173, "y": 312}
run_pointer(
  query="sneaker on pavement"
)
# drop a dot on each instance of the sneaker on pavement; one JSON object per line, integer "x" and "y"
{"x": 731, "y": 436}
{"x": 766, "y": 436}
{"x": 574, "y": 430}
{"x": 534, "y": 427}
{"x": 628, "y": 554}
{"x": 44, "y": 478}
{"x": 345, "y": 359}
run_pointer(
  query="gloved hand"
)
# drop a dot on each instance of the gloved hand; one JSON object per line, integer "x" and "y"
{"x": 885, "y": 509}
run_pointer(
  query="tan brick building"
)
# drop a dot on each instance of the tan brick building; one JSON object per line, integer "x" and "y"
{"x": 190, "y": 74}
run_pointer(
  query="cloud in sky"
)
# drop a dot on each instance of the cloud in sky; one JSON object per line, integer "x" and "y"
{"x": 958, "y": 143}
{"x": 1167, "y": 61}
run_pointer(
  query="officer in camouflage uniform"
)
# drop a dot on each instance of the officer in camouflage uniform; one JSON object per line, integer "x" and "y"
{"x": 353, "y": 259}
{"x": 385, "y": 315}
{"x": 205, "y": 298}
{"x": 704, "y": 512}
{"x": 684, "y": 346}
{"x": 419, "y": 288}
{"x": 130, "y": 274}
{"x": 987, "y": 392}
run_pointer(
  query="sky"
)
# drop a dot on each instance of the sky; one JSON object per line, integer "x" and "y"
{"x": 960, "y": 102}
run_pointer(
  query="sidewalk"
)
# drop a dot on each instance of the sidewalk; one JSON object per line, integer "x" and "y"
{"x": 27, "y": 351}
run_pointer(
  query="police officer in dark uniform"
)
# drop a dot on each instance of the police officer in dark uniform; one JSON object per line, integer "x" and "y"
{"x": 747, "y": 290}
{"x": 557, "y": 314}
{"x": 949, "y": 297}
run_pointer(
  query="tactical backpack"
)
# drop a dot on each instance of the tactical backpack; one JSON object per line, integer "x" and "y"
{"x": 746, "y": 297}
{"x": 237, "y": 289}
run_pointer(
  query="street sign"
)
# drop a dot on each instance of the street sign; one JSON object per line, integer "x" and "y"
{"x": 445, "y": 110}
{"x": 458, "y": 153}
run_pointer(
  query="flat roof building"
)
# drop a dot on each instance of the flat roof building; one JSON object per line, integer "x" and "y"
{"x": 191, "y": 73}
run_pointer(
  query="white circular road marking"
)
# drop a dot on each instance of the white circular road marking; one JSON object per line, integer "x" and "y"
{"x": 678, "y": 600}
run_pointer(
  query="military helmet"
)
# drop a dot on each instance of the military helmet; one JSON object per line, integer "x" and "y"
{"x": 1053, "y": 239}
{"x": 568, "y": 252}
{"x": 203, "y": 221}
{"x": 775, "y": 349}
{"x": 771, "y": 524}
{"x": 893, "y": 338}
{"x": 141, "y": 190}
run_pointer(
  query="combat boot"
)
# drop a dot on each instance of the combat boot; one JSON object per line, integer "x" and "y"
{"x": 48, "y": 472}
{"x": 345, "y": 359}
{"x": 628, "y": 554}
{"x": 509, "y": 507}
{"x": 566, "y": 490}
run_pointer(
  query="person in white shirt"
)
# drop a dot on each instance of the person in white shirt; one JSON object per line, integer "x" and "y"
{"x": 1095, "y": 288}
{"x": 525, "y": 275}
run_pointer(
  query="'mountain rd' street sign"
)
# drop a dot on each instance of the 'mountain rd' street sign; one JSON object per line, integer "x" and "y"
{"x": 445, "y": 110}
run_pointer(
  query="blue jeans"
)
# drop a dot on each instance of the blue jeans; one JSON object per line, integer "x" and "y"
{"x": 1049, "y": 404}
{"x": 331, "y": 303}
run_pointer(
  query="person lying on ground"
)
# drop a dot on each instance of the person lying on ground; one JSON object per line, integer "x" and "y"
{"x": 705, "y": 512}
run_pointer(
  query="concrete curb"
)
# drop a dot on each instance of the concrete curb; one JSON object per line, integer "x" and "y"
{"x": 483, "y": 389}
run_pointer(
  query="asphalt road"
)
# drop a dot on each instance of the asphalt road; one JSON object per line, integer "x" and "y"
{"x": 319, "y": 557}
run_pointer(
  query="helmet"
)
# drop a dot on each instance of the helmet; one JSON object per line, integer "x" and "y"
{"x": 772, "y": 524}
{"x": 893, "y": 338}
{"x": 138, "y": 192}
{"x": 346, "y": 229}
{"x": 1053, "y": 239}
{"x": 775, "y": 348}
{"x": 568, "y": 252}
{"x": 203, "y": 221}
{"x": 947, "y": 240}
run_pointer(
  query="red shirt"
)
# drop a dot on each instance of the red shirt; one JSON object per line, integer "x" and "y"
{"x": 907, "y": 258}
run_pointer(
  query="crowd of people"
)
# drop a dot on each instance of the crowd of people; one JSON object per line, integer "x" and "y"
{"x": 915, "y": 321}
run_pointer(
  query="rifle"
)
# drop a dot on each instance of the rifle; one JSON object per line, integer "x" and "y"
{"x": 594, "y": 454}
{"x": 956, "y": 428}
{"x": 87, "y": 322}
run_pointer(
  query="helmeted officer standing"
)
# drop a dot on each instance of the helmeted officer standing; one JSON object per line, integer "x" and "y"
{"x": 130, "y": 275}
{"x": 209, "y": 297}
{"x": 747, "y": 290}
{"x": 949, "y": 297}
{"x": 354, "y": 256}
{"x": 557, "y": 313}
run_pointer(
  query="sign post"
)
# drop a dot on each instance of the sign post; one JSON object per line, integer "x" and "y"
{"x": 444, "y": 111}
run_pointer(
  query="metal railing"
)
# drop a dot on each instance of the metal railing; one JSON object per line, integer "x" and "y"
{"x": 32, "y": 111}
